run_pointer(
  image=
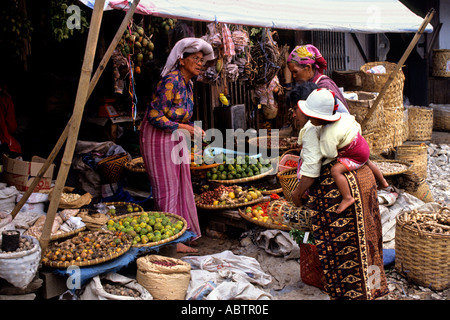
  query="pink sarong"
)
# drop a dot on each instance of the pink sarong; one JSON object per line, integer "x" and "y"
{"x": 171, "y": 182}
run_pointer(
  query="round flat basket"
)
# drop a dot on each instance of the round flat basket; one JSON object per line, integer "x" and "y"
{"x": 392, "y": 167}
{"x": 200, "y": 171}
{"x": 63, "y": 235}
{"x": 248, "y": 179}
{"x": 173, "y": 218}
{"x": 422, "y": 256}
{"x": 264, "y": 224}
{"x": 121, "y": 207}
{"x": 281, "y": 143}
{"x": 65, "y": 264}
{"x": 237, "y": 205}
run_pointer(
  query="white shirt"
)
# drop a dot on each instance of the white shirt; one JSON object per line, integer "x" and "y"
{"x": 310, "y": 154}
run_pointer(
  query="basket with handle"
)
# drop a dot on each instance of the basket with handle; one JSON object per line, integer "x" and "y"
{"x": 288, "y": 181}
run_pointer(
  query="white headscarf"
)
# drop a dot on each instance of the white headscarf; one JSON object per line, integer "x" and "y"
{"x": 190, "y": 45}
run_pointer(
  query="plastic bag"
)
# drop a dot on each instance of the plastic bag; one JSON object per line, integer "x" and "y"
{"x": 94, "y": 290}
{"x": 19, "y": 268}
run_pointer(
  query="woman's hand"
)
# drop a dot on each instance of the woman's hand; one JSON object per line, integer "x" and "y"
{"x": 193, "y": 130}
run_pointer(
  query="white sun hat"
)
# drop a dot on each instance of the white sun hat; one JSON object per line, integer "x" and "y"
{"x": 320, "y": 104}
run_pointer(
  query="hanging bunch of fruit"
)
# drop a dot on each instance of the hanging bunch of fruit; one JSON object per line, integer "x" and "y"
{"x": 139, "y": 45}
{"x": 159, "y": 25}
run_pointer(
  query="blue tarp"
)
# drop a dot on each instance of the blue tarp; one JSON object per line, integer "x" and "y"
{"x": 122, "y": 261}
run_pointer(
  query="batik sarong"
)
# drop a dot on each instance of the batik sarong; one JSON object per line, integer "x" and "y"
{"x": 349, "y": 244}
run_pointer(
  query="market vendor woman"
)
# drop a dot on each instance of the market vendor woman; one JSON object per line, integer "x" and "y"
{"x": 171, "y": 109}
{"x": 307, "y": 64}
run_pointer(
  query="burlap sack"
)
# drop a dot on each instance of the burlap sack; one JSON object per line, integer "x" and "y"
{"x": 163, "y": 282}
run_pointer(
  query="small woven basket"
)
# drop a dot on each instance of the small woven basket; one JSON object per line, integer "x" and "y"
{"x": 441, "y": 63}
{"x": 422, "y": 256}
{"x": 441, "y": 117}
{"x": 111, "y": 168}
{"x": 395, "y": 116}
{"x": 420, "y": 123}
{"x": 374, "y": 82}
{"x": 287, "y": 213}
{"x": 417, "y": 155}
{"x": 423, "y": 192}
{"x": 360, "y": 107}
{"x": 288, "y": 181}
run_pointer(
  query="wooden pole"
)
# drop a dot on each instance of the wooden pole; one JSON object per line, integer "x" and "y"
{"x": 92, "y": 84}
{"x": 74, "y": 124}
{"x": 411, "y": 46}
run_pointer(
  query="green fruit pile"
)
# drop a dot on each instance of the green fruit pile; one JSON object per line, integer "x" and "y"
{"x": 241, "y": 167}
{"x": 146, "y": 227}
{"x": 137, "y": 44}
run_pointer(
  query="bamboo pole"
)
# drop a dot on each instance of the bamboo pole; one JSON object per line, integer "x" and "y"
{"x": 92, "y": 85}
{"x": 402, "y": 60}
{"x": 74, "y": 124}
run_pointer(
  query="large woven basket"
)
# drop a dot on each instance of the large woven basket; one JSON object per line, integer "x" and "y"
{"x": 361, "y": 106}
{"x": 373, "y": 82}
{"x": 420, "y": 123}
{"x": 441, "y": 63}
{"x": 381, "y": 139}
{"x": 111, "y": 168}
{"x": 395, "y": 116}
{"x": 417, "y": 155}
{"x": 423, "y": 257}
{"x": 288, "y": 180}
{"x": 441, "y": 117}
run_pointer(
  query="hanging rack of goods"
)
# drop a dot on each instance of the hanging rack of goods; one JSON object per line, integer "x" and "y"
{"x": 266, "y": 58}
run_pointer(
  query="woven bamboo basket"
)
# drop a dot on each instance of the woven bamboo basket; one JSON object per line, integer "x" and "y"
{"x": 287, "y": 213}
{"x": 381, "y": 140}
{"x": 373, "y": 82}
{"x": 288, "y": 180}
{"x": 417, "y": 155}
{"x": 441, "y": 117}
{"x": 423, "y": 192}
{"x": 395, "y": 116}
{"x": 423, "y": 257}
{"x": 263, "y": 224}
{"x": 441, "y": 63}
{"x": 112, "y": 168}
{"x": 420, "y": 123}
{"x": 405, "y": 127}
{"x": 360, "y": 107}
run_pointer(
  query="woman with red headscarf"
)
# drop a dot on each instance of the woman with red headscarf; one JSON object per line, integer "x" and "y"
{"x": 307, "y": 64}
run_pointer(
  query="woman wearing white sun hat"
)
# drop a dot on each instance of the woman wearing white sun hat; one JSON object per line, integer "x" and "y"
{"x": 348, "y": 242}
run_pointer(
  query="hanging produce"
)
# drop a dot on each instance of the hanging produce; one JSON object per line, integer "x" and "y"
{"x": 136, "y": 45}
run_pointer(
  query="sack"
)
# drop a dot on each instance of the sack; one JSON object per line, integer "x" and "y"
{"x": 311, "y": 271}
{"x": 95, "y": 290}
{"x": 164, "y": 282}
{"x": 83, "y": 200}
{"x": 19, "y": 268}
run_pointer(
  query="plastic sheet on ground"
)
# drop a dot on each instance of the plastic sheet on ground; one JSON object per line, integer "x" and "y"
{"x": 226, "y": 276}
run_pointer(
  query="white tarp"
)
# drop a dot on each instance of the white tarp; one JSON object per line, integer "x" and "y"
{"x": 327, "y": 15}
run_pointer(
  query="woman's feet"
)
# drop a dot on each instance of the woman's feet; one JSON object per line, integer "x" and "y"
{"x": 182, "y": 248}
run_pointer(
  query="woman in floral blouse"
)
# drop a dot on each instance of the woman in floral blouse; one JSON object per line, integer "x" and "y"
{"x": 164, "y": 149}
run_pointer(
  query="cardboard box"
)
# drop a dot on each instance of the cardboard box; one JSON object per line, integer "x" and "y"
{"x": 21, "y": 173}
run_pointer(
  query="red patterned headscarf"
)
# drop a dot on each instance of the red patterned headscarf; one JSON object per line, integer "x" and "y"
{"x": 308, "y": 54}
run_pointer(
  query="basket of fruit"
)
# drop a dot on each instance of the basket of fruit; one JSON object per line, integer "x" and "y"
{"x": 86, "y": 248}
{"x": 148, "y": 229}
{"x": 228, "y": 197}
{"x": 243, "y": 169}
{"x": 121, "y": 208}
{"x": 267, "y": 187}
{"x": 200, "y": 170}
{"x": 258, "y": 215}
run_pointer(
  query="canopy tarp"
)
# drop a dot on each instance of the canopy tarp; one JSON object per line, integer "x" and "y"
{"x": 356, "y": 16}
